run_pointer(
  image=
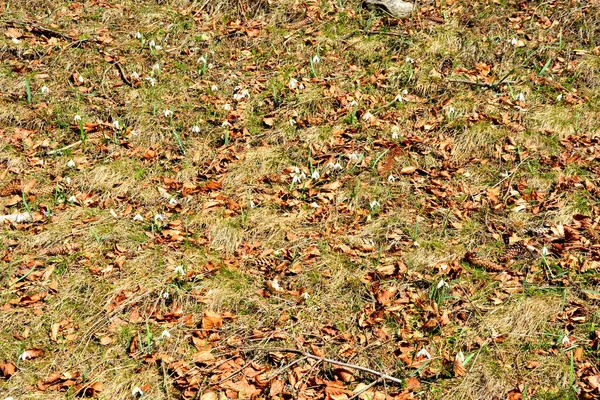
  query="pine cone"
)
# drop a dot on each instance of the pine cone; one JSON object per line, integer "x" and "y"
{"x": 513, "y": 252}
{"x": 62, "y": 250}
{"x": 43, "y": 191}
{"x": 13, "y": 187}
{"x": 479, "y": 262}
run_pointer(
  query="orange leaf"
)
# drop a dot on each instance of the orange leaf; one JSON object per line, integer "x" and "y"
{"x": 211, "y": 320}
{"x": 31, "y": 354}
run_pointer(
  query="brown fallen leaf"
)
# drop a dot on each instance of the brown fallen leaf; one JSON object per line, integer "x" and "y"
{"x": 212, "y": 320}
{"x": 7, "y": 369}
{"x": 459, "y": 368}
{"x": 31, "y": 354}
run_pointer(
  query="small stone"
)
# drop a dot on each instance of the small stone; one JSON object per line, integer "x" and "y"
{"x": 397, "y": 8}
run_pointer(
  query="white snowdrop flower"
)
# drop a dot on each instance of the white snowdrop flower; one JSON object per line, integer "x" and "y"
{"x": 315, "y": 174}
{"x": 137, "y": 392}
{"x": 168, "y": 113}
{"x": 77, "y": 118}
{"x": 45, "y": 90}
{"x": 114, "y": 214}
{"x": 505, "y": 174}
{"x": 71, "y": 164}
{"x": 405, "y": 92}
{"x": 135, "y": 75}
{"x": 424, "y": 353}
{"x": 353, "y": 157}
{"x": 297, "y": 178}
{"x": 301, "y": 86}
{"x": 227, "y": 107}
{"x": 159, "y": 218}
{"x": 25, "y": 356}
{"x": 293, "y": 83}
{"x": 80, "y": 79}
{"x": 394, "y": 135}
{"x": 165, "y": 295}
{"x": 559, "y": 97}
{"x": 336, "y": 166}
{"x": 201, "y": 60}
{"x": 544, "y": 251}
{"x": 292, "y": 122}
{"x": 214, "y": 88}
{"x": 152, "y": 44}
{"x": 15, "y": 40}
{"x": 276, "y": 286}
{"x": 353, "y": 103}
{"x": 173, "y": 201}
{"x": 241, "y": 95}
{"x": 138, "y": 217}
{"x": 138, "y": 35}
{"x": 305, "y": 296}
{"x": 374, "y": 204}
{"x": 391, "y": 178}
{"x": 410, "y": 60}
{"x": 514, "y": 41}
{"x": 442, "y": 283}
{"x": 72, "y": 199}
{"x": 521, "y": 97}
{"x": 195, "y": 129}
{"x": 566, "y": 341}
{"x": 156, "y": 68}
{"x": 451, "y": 111}
{"x": 399, "y": 98}
{"x": 368, "y": 117}
{"x": 9, "y": 398}
{"x": 226, "y": 124}
{"x": 165, "y": 334}
{"x": 116, "y": 124}
{"x": 151, "y": 80}
{"x": 68, "y": 180}
{"x": 316, "y": 59}
{"x": 179, "y": 270}
{"x": 252, "y": 204}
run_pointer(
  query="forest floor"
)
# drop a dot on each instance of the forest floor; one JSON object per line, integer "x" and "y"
{"x": 226, "y": 200}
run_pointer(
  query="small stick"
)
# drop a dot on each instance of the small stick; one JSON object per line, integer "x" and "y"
{"x": 122, "y": 73}
{"x": 285, "y": 367}
{"x": 51, "y": 152}
{"x": 381, "y": 375}
{"x": 478, "y": 83}
{"x": 355, "y": 396}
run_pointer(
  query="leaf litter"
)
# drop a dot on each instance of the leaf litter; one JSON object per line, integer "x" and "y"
{"x": 288, "y": 201}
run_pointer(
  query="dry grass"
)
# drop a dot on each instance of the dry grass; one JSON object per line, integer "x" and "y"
{"x": 329, "y": 244}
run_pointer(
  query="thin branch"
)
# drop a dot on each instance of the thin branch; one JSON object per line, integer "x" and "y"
{"x": 509, "y": 175}
{"x": 381, "y": 375}
{"x": 122, "y": 73}
{"x": 361, "y": 391}
{"x": 74, "y": 144}
{"x": 482, "y": 84}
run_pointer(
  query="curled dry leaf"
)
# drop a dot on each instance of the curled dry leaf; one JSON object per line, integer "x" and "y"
{"x": 212, "y": 320}
{"x": 459, "y": 368}
{"x": 7, "y": 369}
{"x": 31, "y": 354}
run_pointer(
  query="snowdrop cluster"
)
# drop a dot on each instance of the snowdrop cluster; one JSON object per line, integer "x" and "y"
{"x": 240, "y": 95}
{"x": 297, "y": 175}
{"x": 334, "y": 166}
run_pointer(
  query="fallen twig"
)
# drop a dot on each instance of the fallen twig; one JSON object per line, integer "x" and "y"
{"x": 369, "y": 386}
{"x": 381, "y": 375}
{"x": 482, "y": 84}
{"x": 122, "y": 73}
{"x": 74, "y": 144}
{"x": 39, "y": 29}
